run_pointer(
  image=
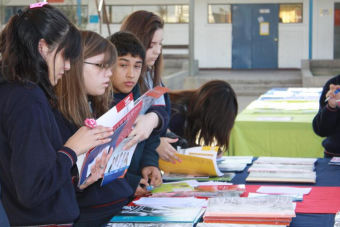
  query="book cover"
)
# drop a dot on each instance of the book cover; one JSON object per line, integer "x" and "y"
{"x": 117, "y": 118}
{"x": 121, "y": 118}
{"x": 196, "y": 161}
{"x": 335, "y": 161}
{"x": 173, "y": 187}
{"x": 149, "y": 224}
{"x": 163, "y": 214}
{"x": 226, "y": 177}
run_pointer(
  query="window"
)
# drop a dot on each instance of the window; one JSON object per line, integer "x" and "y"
{"x": 70, "y": 12}
{"x": 169, "y": 13}
{"x": 290, "y": 13}
{"x": 11, "y": 10}
{"x": 219, "y": 14}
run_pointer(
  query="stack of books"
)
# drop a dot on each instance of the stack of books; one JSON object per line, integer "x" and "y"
{"x": 274, "y": 210}
{"x": 234, "y": 163}
{"x": 151, "y": 216}
{"x": 281, "y": 169}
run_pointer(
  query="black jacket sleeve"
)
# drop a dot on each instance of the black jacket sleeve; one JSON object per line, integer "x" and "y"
{"x": 325, "y": 122}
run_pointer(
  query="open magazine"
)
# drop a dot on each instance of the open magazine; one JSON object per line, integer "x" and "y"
{"x": 195, "y": 161}
{"x": 121, "y": 117}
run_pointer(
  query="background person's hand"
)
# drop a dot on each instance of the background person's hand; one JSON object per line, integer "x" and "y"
{"x": 85, "y": 138}
{"x": 331, "y": 96}
{"x": 98, "y": 169}
{"x": 144, "y": 125}
{"x": 166, "y": 151}
{"x": 153, "y": 175}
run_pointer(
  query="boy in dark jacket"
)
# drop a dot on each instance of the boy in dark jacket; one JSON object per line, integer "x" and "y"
{"x": 143, "y": 170}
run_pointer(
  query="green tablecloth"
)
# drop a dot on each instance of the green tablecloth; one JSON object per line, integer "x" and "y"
{"x": 280, "y": 131}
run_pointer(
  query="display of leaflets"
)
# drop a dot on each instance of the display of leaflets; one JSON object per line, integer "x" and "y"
{"x": 264, "y": 176}
{"x": 146, "y": 214}
{"x": 289, "y": 168}
{"x": 244, "y": 210}
{"x": 287, "y": 190}
{"x": 121, "y": 118}
{"x": 231, "y": 167}
{"x": 335, "y": 161}
{"x": 195, "y": 161}
{"x": 337, "y": 219}
{"x": 235, "y": 159}
{"x": 173, "y": 187}
{"x": 226, "y": 177}
{"x": 149, "y": 225}
{"x": 184, "y": 189}
{"x": 294, "y": 198}
{"x": 170, "y": 202}
{"x": 292, "y": 94}
{"x": 286, "y": 160}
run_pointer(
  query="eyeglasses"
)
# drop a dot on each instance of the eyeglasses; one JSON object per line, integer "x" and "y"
{"x": 101, "y": 66}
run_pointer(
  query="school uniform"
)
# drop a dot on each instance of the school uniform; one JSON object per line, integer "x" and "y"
{"x": 97, "y": 204}
{"x": 3, "y": 216}
{"x": 162, "y": 107}
{"x": 35, "y": 168}
{"x": 327, "y": 122}
{"x": 145, "y": 153}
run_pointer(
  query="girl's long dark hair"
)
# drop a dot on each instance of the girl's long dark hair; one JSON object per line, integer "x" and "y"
{"x": 20, "y": 58}
{"x": 211, "y": 113}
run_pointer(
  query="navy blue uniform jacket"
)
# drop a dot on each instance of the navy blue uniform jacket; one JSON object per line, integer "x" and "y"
{"x": 145, "y": 153}
{"x": 35, "y": 169}
{"x": 327, "y": 122}
{"x": 96, "y": 202}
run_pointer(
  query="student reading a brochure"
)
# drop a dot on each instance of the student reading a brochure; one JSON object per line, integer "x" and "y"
{"x": 326, "y": 122}
{"x": 204, "y": 116}
{"x": 36, "y": 48}
{"x": 148, "y": 28}
{"x": 84, "y": 93}
{"x": 143, "y": 169}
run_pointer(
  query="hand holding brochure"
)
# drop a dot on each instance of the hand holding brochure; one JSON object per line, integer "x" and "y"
{"x": 121, "y": 117}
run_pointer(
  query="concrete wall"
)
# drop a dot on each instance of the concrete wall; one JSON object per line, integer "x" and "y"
{"x": 323, "y": 29}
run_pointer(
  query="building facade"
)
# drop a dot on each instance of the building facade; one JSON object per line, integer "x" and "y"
{"x": 238, "y": 34}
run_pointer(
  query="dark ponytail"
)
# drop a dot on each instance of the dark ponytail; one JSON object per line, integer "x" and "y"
{"x": 21, "y": 60}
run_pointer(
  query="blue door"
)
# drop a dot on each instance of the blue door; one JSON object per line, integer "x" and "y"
{"x": 255, "y": 36}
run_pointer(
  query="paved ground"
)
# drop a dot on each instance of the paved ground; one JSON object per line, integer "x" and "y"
{"x": 248, "y": 84}
{"x": 244, "y": 101}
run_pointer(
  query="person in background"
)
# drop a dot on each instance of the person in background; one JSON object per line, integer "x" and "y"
{"x": 148, "y": 28}
{"x": 326, "y": 123}
{"x": 203, "y": 116}
{"x": 85, "y": 92}
{"x": 131, "y": 56}
{"x": 37, "y": 46}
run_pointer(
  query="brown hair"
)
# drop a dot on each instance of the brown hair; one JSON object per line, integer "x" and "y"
{"x": 144, "y": 24}
{"x": 73, "y": 99}
{"x": 211, "y": 112}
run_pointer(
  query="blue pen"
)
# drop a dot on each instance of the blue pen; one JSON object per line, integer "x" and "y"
{"x": 336, "y": 92}
{"x": 149, "y": 188}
